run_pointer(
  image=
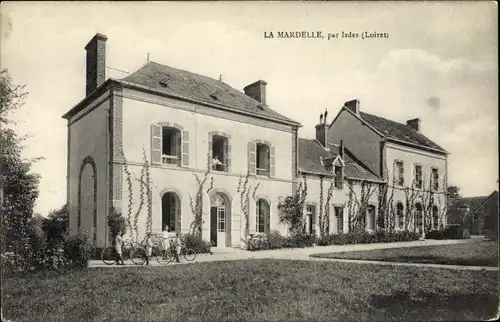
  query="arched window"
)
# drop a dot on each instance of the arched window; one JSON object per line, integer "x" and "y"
{"x": 263, "y": 216}
{"x": 170, "y": 209}
{"x": 435, "y": 217}
{"x": 400, "y": 215}
{"x": 418, "y": 215}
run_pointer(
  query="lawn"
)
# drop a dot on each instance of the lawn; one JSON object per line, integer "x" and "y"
{"x": 480, "y": 253}
{"x": 253, "y": 290}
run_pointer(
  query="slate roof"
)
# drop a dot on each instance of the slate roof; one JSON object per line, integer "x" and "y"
{"x": 170, "y": 80}
{"x": 399, "y": 131}
{"x": 475, "y": 203}
{"x": 310, "y": 151}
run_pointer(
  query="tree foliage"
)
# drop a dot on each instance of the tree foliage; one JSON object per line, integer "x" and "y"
{"x": 291, "y": 208}
{"x": 18, "y": 185}
{"x": 453, "y": 192}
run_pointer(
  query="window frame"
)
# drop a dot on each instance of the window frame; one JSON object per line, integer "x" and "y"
{"x": 340, "y": 223}
{"x": 399, "y": 175}
{"x": 400, "y": 217}
{"x": 418, "y": 184}
{"x": 434, "y": 181}
{"x": 262, "y": 217}
{"x": 265, "y": 172}
{"x": 171, "y": 159}
{"x": 224, "y": 167}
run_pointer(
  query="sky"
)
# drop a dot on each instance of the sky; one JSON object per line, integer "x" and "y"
{"x": 439, "y": 63}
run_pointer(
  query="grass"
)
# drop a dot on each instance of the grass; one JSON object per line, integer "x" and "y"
{"x": 253, "y": 290}
{"x": 481, "y": 253}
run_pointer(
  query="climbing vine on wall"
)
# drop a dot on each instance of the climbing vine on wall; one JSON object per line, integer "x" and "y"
{"x": 130, "y": 201}
{"x": 358, "y": 206}
{"x": 244, "y": 189}
{"x": 196, "y": 204}
{"x": 325, "y": 220}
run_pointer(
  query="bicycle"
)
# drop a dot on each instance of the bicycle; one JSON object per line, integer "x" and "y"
{"x": 132, "y": 251}
{"x": 168, "y": 255}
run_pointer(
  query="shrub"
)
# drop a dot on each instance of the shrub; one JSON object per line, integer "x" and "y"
{"x": 78, "y": 250}
{"x": 435, "y": 234}
{"x": 117, "y": 223}
{"x": 275, "y": 240}
{"x": 196, "y": 243}
{"x": 455, "y": 232}
{"x": 300, "y": 240}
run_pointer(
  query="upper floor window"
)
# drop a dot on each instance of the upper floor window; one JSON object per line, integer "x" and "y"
{"x": 220, "y": 153}
{"x": 171, "y": 145}
{"x": 339, "y": 180}
{"x": 399, "y": 173}
{"x": 418, "y": 176}
{"x": 435, "y": 179}
{"x": 263, "y": 158}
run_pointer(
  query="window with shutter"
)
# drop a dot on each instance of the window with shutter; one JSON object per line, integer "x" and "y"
{"x": 185, "y": 149}
{"x": 272, "y": 162}
{"x": 252, "y": 154}
{"x": 156, "y": 144}
{"x": 263, "y": 159}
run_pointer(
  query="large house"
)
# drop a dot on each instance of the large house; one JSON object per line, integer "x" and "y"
{"x": 146, "y": 144}
{"x": 414, "y": 167}
{"x": 480, "y": 213}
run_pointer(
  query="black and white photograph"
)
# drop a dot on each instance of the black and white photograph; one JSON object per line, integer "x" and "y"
{"x": 249, "y": 161}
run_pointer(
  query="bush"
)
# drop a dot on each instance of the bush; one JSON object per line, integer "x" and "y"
{"x": 196, "y": 243}
{"x": 117, "y": 223}
{"x": 300, "y": 240}
{"x": 435, "y": 234}
{"x": 456, "y": 232}
{"x": 78, "y": 250}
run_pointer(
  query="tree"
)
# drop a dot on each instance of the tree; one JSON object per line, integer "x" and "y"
{"x": 453, "y": 192}
{"x": 18, "y": 186}
{"x": 291, "y": 208}
{"x": 56, "y": 225}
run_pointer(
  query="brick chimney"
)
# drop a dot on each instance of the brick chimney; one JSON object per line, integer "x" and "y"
{"x": 414, "y": 123}
{"x": 96, "y": 62}
{"x": 353, "y": 106}
{"x": 322, "y": 131}
{"x": 257, "y": 91}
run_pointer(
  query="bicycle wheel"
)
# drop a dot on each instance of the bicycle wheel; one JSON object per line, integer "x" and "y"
{"x": 108, "y": 255}
{"x": 165, "y": 257}
{"x": 189, "y": 254}
{"x": 138, "y": 256}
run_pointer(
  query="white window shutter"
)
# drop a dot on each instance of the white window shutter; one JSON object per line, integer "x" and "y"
{"x": 272, "y": 161}
{"x": 252, "y": 155}
{"x": 185, "y": 148}
{"x": 156, "y": 144}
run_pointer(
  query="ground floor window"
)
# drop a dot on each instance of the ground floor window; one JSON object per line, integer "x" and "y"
{"x": 435, "y": 217}
{"x": 418, "y": 216}
{"x": 400, "y": 216}
{"x": 170, "y": 209}
{"x": 263, "y": 214}
{"x": 339, "y": 215}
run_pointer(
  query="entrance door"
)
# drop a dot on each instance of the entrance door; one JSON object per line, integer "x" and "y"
{"x": 221, "y": 226}
{"x": 213, "y": 225}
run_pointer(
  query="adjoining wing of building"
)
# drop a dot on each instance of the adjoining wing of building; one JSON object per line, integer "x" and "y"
{"x": 181, "y": 124}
